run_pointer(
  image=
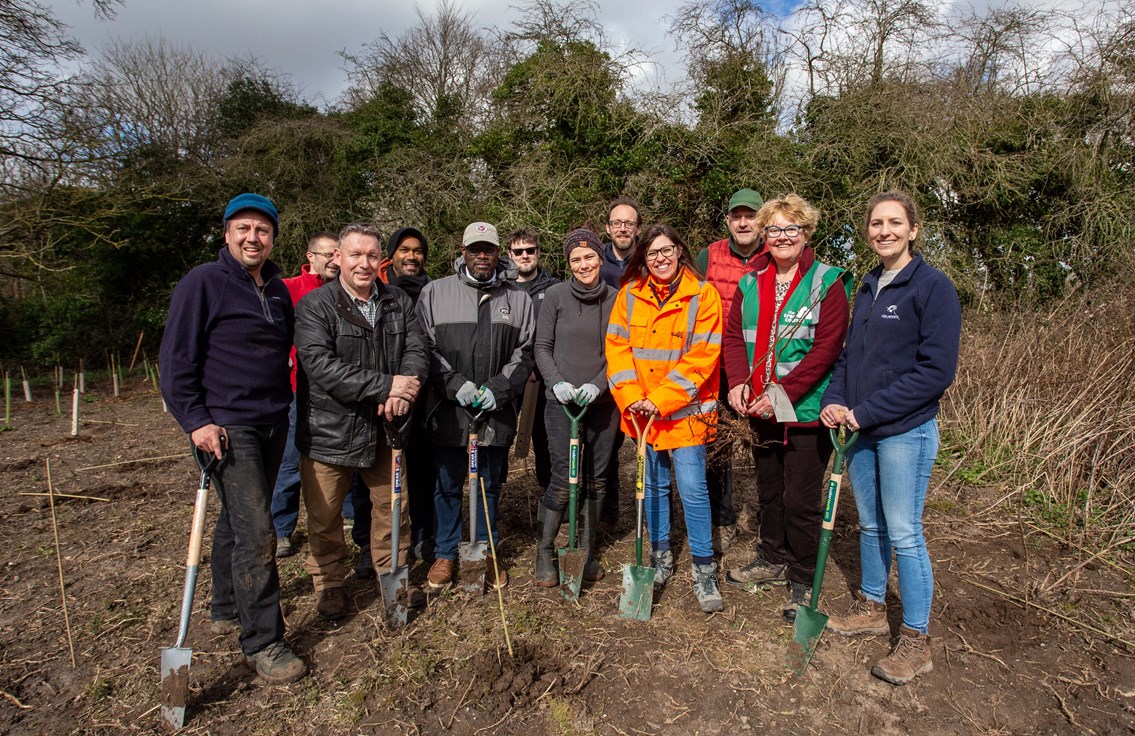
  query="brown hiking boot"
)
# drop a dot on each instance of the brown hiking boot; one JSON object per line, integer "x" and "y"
{"x": 862, "y": 617}
{"x": 491, "y": 575}
{"x": 440, "y": 576}
{"x": 332, "y": 603}
{"x": 909, "y": 659}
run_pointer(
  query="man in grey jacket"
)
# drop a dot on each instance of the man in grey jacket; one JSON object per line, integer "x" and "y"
{"x": 362, "y": 361}
{"x": 481, "y": 327}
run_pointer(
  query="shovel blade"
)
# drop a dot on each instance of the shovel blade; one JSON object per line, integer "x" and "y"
{"x": 175, "y": 684}
{"x": 571, "y": 572}
{"x": 474, "y": 558}
{"x": 806, "y": 634}
{"x": 395, "y": 596}
{"x": 638, "y": 592}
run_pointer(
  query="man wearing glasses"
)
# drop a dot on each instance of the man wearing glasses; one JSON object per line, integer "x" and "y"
{"x": 320, "y": 268}
{"x": 524, "y": 250}
{"x": 724, "y": 263}
{"x": 624, "y": 222}
{"x": 480, "y": 326}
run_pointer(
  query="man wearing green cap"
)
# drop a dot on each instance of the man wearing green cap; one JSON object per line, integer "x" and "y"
{"x": 724, "y": 263}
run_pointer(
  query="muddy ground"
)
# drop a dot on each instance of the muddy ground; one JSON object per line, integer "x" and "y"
{"x": 1001, "y": 665}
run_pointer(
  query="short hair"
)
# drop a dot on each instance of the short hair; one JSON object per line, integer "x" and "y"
{"x": 360, "y": 228}
{"x": 793, "y": 207}
{"x": 624, "y": 202}
{"x": 894, "y": 195}
{"x": 523, "y": 235}
{"x": 636, "y": 267}
{"x": 321, "y": 235}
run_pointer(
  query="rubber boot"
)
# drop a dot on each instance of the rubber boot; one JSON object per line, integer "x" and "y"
{"x": 548, "y": 526}
{"x": 589, "y": 525}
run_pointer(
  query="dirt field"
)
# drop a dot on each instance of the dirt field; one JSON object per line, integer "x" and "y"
{"x": 1000, "y": 667}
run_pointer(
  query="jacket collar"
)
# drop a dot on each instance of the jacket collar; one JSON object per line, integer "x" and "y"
{"x": 688, "y": 287}
{"x": 871, "y": 278}
{"x": 345, "y": 302}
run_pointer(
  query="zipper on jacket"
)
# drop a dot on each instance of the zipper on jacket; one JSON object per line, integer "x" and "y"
{"x": 263, "y": 301}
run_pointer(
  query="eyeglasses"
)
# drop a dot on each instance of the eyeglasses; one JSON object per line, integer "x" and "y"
{"x": 617, "y": 224}
{"x": 530, "y": 251}
{"x": 666, "y": 251}
{"x": 324, "y": 254}
{"x": 775, "y": 232}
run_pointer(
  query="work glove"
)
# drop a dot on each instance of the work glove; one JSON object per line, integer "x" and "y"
{"x": 467, "y": 394}
{"x": 485, "y": 400}
{"x": 564, "y": 392}
{"x": 587, "y": 393}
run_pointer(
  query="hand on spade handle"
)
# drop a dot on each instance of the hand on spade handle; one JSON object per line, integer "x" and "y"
{"x": 833, "y": 415}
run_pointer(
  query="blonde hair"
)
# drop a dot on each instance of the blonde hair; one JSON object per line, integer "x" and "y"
{"x": 793, "y": 207}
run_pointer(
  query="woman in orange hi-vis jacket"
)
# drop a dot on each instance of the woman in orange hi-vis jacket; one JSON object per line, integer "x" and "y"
{"x": 663, "y": 346}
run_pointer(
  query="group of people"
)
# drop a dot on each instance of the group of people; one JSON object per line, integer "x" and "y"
{"x": 639, "y": 330}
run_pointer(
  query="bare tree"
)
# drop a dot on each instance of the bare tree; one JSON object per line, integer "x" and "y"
{"x": 448, "y": 65}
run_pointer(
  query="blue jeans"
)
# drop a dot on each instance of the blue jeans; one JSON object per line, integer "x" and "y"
{"x": 286, "y": 494}
{"x": 452, "y": 487}
{"x": 689, "y": 467}
{"x": 889, "y": 477}
{"x": 246, "y": 584}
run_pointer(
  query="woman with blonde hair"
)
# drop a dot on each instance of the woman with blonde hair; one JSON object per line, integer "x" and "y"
{"x": 783, "y": 335}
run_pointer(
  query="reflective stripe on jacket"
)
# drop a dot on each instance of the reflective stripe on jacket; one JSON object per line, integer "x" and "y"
{"x": 669, "y": 355}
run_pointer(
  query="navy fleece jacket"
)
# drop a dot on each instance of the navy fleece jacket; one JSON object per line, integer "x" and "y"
{"x": 901, "y": 352}
{"x": 224, "y": 354}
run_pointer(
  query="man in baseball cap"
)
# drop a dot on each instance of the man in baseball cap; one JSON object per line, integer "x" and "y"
{"x": 482, "y": 328}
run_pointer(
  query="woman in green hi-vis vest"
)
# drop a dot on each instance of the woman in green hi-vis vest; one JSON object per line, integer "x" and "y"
{"x": 783, "y": 335}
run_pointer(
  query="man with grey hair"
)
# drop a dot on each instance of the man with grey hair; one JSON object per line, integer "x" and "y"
{"x": 362, "y": 361}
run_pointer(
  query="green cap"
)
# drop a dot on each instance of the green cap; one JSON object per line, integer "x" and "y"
{"x": 745, "y": 198}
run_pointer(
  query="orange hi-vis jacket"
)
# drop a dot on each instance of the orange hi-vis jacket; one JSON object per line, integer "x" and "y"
{"x": 670, "y": 355}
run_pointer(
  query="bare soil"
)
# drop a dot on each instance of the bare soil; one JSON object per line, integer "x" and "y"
{"x": 1001, "y": 665}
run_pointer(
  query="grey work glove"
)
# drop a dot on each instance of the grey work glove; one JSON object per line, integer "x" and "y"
{"x": 564, "y": 392}
{"x": 467, "y": 393}
{"x": 587, "y": 393}
{"x": 485, "y": 400}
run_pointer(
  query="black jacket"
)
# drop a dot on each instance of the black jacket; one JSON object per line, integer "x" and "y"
{"x": 346, "y": 368}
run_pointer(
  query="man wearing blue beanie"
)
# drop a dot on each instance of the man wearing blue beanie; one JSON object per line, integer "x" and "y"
{"x": 224, "y": 365}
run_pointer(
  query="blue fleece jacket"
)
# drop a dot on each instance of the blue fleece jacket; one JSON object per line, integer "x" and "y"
{"x": 901, "y": 352}
{"x": 611, "y": 269}
{"x": 224, "y": 354}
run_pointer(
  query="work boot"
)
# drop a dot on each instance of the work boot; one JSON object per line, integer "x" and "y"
{"x": 589, "y": 526}
{"x": 364, "y": 564}
{"x": 723, "y": 537}
{"x": 909, "y": 659}
{"x": 758, "y": 572}
{"x": 663, "y": 562}
{"x": 224, "y": 626}
{"x": 799, "y": 594}
{"x": 276, "y": 664}
{"x": 705, "y": 588}
{"x": 332, "y": 603}
{"x": 285, "y": 547}
{"x": 862, "y": 617}
{"x": 440, "y": 576}
{"x": 491, "y": 574}
{"x": 548, "y": 526}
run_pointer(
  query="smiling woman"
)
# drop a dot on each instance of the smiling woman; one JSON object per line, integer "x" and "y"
{"x": 663, "y": 345}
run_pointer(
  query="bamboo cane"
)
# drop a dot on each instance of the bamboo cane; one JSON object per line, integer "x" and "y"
{"x": 27, "y": 386}
{"x": 82, "y": 378}
{"x": 136, "y": 349}
{"x": 59, "y": 562}
{"x": 496, "y": 568}
{"x": 75, "y": 410}
{"x": 7, "y": 399}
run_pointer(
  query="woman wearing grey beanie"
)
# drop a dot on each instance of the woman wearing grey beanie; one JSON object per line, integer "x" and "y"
{"x": 569, "y": 350}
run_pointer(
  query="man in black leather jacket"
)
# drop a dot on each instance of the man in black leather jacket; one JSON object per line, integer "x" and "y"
{"x": 362, "y": 361}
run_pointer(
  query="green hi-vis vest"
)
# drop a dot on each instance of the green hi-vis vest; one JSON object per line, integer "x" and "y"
{"x": 796, "y": 329}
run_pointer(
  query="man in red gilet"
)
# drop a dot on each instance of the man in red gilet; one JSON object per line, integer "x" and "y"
{"x": 724, "y": 263}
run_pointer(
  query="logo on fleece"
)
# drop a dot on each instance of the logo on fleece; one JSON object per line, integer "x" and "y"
{"x": 891, "y": 312}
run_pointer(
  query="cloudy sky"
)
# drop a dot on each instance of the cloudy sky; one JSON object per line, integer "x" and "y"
{"x": 302, "y": 38}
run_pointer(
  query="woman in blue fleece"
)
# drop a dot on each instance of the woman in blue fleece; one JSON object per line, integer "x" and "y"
{"x": 900, "y": 357}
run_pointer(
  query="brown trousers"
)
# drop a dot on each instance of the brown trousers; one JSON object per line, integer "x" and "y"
{"x": 324, "y": 488}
